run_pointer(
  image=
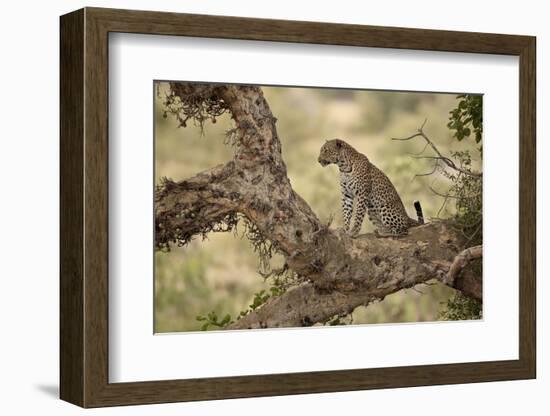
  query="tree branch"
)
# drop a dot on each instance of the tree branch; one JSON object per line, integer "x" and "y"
{"x": 449, "y": 162}
{"x": 336, "y": 273}
{"x": 207, "y": 202}
{"x": 382, "y": 267}
{"x": 460, "y": 262}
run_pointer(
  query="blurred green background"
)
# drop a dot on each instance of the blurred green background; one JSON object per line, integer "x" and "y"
{"x": 221, "y": 273}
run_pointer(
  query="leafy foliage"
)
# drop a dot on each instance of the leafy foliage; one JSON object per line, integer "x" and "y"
{"x": 212, "y": 320}
{"x": 281, "y": 279}
{"x": 467, "y": 117}
{"x": 461, "y": 308}
{"x": 467, "y": 192}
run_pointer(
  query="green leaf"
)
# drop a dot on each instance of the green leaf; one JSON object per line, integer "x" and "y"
{"x": 225, "y": 320}
{"x": 478, "y": 136}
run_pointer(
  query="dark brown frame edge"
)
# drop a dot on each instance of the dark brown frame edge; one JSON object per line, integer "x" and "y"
{"x": 84, "y": 207}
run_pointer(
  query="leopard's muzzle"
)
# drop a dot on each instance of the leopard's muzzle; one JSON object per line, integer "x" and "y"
{"x": 323, "y": 162}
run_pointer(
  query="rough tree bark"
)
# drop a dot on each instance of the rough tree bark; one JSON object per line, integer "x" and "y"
{"x": 336, "y": 273}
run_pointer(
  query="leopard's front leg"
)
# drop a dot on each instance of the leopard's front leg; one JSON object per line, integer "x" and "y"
{"x": 347, "y": 204}
{"x": 360, "y": 211}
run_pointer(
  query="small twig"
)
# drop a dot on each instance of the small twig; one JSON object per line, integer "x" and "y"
{"x": 475, "y": 232}
{"x": 442, "y": 207}
{"x": 428, "y": 173}
{"x": 442, "y": 195}
{"x": 445, "y": 196}
{"x": 419, "y": 153}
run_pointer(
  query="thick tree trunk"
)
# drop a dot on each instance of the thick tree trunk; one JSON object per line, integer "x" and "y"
{"x": 338, "y": 273}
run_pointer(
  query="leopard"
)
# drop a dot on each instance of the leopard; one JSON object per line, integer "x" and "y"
{"x": 370, "y": 191}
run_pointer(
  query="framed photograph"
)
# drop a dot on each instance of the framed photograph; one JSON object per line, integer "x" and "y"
{"x": 255, "y": 207}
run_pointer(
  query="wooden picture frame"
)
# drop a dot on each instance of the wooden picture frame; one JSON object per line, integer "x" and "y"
{"x": 84, "y": 207}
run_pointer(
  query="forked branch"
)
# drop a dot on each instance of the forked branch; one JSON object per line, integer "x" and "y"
{"x": 439, "y": 157}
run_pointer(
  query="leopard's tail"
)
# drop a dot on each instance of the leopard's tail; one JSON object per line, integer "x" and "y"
{"x": 419, "y": 213}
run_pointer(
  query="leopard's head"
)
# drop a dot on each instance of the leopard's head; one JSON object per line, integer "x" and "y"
{"x": 331, "y": 152}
